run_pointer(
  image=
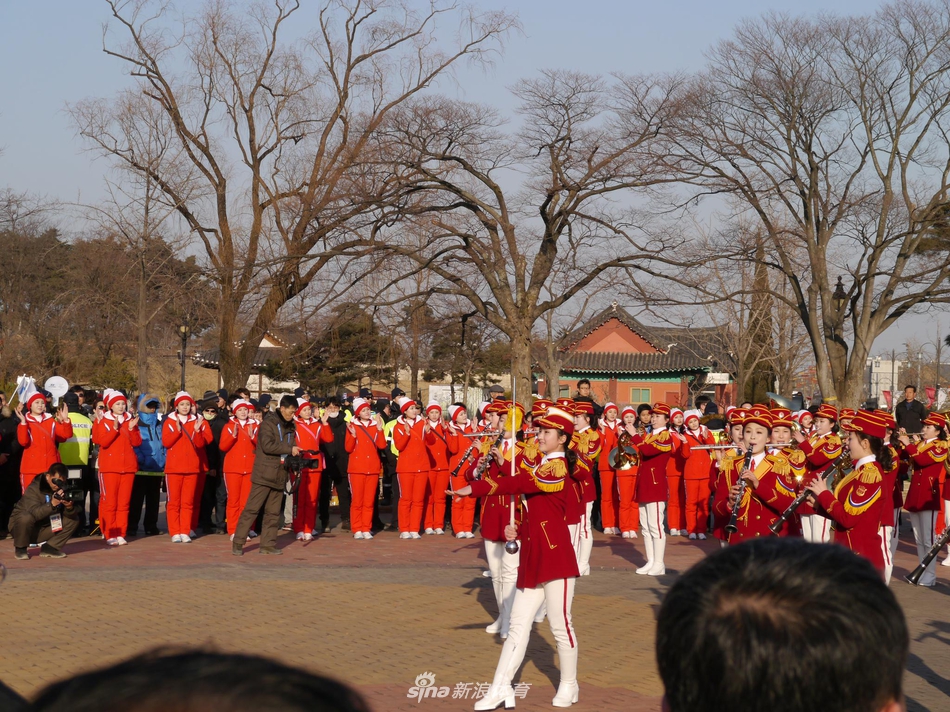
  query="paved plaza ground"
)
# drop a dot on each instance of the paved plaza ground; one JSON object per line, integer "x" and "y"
{"x": 375, "y": 614}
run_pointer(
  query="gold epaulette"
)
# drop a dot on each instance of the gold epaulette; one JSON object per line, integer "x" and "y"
{"x": 869, "y": 474}
{"x": 663, "y": 436}
{"x": 550, "y": 476}
{"x": 529, "y": 450}
{"x": 794, "y": 455}
{"x": 779, "y": 463}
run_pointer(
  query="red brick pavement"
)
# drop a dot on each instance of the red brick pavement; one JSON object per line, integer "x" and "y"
{"x": 376, "y": 614}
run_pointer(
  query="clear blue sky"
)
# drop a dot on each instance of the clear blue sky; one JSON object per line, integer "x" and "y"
{"x": 51, "y": 54}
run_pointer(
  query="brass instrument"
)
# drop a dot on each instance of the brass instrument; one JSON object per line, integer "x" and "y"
{"x": 625, "y": 455}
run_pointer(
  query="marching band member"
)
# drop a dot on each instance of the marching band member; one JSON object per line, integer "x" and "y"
{"x": 821, "y": 449}
{"x": 116, "y": 433}
{"x": 496, "y": 513}
{"x": 437, "y": 446}
{"x": 548, "y": 569}
{"x": 40, "y": 434}
{"x": 696, "y": 475}
{"x": 857, "y": 503}
{"x": 412, "y": 467}
{"x": 463, "y": 508}
{"x": 890, "y": 489}
{"x": 770, "y": 487}
{"x": 239, "y": 445}
{"x": 310, "y": 432}
{"x": 586, "y": 443}
{"x": 184, "y": 436}
{"x": 629, "y": 514}
{"x": 364, "y": 440}
{"x": 609, "y": 430}
{"x": 652, "y": 488}
{"x": 927, "y": 459}
{"x": 676, "y": 507}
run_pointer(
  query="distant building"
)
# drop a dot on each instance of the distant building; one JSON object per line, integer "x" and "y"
{"x": 629, "y": 362}
{"x": 881, "y": 375}
{"x": 271, "y": 349}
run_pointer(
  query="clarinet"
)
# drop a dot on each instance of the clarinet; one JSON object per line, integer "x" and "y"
{"x": 914, "y": 576}
{"x": 464, "y": 458}
{"x": 483, "y": 463}
{"x": 734, "y": 517}
{"x": 776, "y": 526}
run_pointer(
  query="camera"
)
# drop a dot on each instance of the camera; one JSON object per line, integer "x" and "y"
{"x": 72, "y": 490}
{"x": 306, "y": 458}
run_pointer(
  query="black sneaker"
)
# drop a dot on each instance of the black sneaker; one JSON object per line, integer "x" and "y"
{"x": 273, "y": 550}
{"x": 21, "y": 553}
{"x": 346, "y": 526}
{"x": 48, "y": 552}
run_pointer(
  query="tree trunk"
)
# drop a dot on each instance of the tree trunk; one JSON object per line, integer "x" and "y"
{"x": 142, "y": 323}
{"x": 521, "y": 366}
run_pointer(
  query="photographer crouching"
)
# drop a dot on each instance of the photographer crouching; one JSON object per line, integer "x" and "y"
{"x": 46, "y": 512}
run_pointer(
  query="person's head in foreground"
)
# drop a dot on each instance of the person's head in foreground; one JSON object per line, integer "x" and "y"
{"x": 198, "y": 681}
{"x": 781, "y": 625}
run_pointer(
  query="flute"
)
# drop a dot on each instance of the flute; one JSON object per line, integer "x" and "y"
{"x": 738, "y": 447}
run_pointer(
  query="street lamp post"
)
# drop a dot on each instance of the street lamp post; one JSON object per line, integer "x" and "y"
{"x": 183, "y": 332}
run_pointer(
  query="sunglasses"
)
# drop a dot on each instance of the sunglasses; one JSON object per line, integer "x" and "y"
{"x": 100, "y": 407}
{"x": 211, "y": 410}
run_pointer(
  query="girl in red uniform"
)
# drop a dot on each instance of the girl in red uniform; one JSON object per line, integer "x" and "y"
{"x": 239, "y": 445}
{"x": 676, "y": 507}
{"x": 610, "y": 429}
{"x": 821, "y": 449}
{"x": 696, "y": 475}
{"x": 412, "y": 467}
{"x": 629, "y": 513}
{"x": 364, "y": 440}
{"x": 184, "y": 436}
{"x": 463, "y": 508}
{"x": 586, "y": 443}
{"x": 310, "y": 433}
{"x": 116, "y": 433}
{"x": 652, "y": 489}
{"x": 548, "y": 568}
{"x": 857, "y": 503}
{"x": 437, "y": 446}
{"x": 39, "y": 434}
{"x": 927, "y": 459}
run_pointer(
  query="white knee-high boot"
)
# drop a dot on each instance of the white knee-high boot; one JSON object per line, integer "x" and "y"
{"x": 648, "y": 545}
{"x": 659, "y": 565}
{"x": 567, "y": 690}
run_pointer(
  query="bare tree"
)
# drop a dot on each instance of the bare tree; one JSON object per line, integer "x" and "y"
{"x": 832, "y": 134}
{"x": 278, "y": 139}
{"x": 503, "y": 213}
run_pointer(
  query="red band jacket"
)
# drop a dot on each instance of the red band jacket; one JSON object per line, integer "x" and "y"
{"x": 546, "y": 550}
{"x": 855, "y": 509}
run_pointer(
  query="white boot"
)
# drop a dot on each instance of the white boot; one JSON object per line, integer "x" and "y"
{"x": 567, "y": 690}
{"x": 648, "y": 545}
{"x": 497, "y": 696}
{"x": 659, "y": 565}
{"x": 500, "y": 602}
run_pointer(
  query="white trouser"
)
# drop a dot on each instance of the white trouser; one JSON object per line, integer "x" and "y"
{"x": 816, "y": 528}
{"x": 923, "y": 524}
{"x": 558, "y": 596}
{"x": 575, "y": 531}
{"x": 886, "y": 534}
{"x": 504, "y": 578}
{"x": 651, "y": 519}
{"x": 586, "y": 541}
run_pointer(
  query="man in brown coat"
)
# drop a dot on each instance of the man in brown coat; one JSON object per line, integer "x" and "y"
{"x": 41, "y": 516}
{"x": 275, "y": 439}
